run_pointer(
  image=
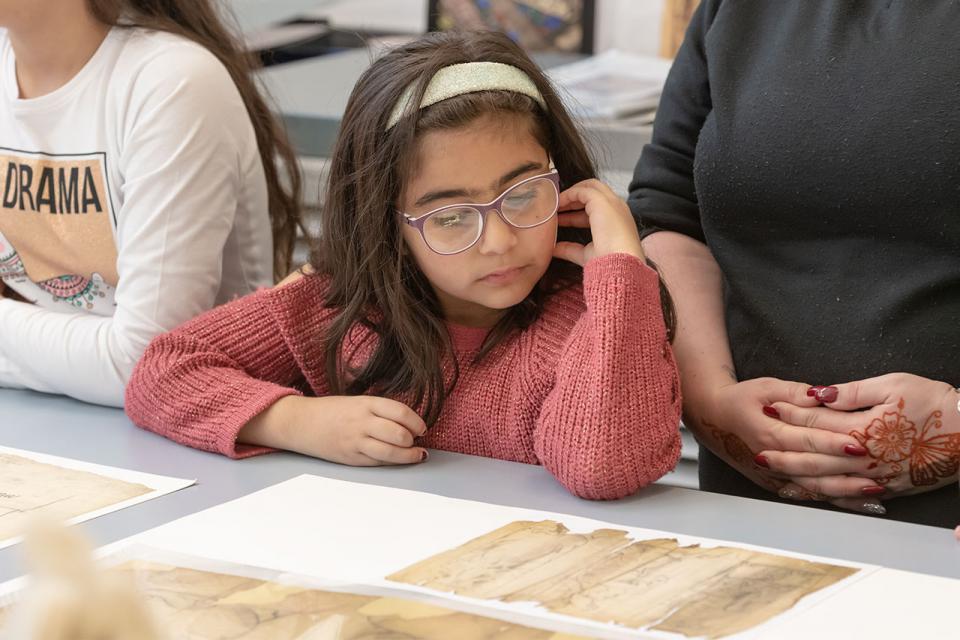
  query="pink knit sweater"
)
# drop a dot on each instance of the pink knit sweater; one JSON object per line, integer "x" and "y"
{"x": 590, "y": 390}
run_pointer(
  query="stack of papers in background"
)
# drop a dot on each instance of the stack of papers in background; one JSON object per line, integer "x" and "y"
{"x": 611, "y": 85}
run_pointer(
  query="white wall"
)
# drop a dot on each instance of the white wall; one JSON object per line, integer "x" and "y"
{"x": 629, "y": 25}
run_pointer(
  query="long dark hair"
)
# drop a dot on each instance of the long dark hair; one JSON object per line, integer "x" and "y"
{"x": 201, "y": 22}
{"x": 373, "y": 280}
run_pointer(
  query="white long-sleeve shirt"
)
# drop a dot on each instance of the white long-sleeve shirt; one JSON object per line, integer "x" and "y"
{"x": 132, "y": 199}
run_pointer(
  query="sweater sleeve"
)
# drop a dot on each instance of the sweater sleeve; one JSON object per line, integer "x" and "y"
{"x": 662, "y": 193}
{"x": 181, "y": 164}
{"x": 203, "y": 382}
{"x": 610, "y": 425}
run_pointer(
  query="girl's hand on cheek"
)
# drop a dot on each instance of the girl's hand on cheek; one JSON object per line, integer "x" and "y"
{"x": 593, "y": 205}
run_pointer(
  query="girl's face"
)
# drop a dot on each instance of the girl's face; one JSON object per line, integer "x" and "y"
{"x": 475, "y": 164}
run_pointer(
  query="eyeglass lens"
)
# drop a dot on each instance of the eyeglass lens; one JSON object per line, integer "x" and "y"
{"x": 528, "y": 204}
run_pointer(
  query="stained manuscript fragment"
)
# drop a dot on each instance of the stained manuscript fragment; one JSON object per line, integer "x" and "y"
{"x": 29, "y": 487}
{"x": 607, "y": 577}
{"x": 203, "y": 605}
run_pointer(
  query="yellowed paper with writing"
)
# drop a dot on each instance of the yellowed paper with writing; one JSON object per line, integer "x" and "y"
{"x": 607, "y": 577}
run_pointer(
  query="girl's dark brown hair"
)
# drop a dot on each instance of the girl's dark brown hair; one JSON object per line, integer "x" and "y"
{"x": 202, "y": 22}
{"x": 373, "y": 279}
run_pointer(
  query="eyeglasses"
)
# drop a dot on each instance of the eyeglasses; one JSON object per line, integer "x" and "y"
{"x": 457, "y": 227}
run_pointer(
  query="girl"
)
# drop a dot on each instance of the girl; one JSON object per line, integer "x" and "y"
{"x": 439, "y": 285}
{"x": 136, "y": 175}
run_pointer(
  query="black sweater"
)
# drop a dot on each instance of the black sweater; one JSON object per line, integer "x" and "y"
{"x": 815, "y": 147}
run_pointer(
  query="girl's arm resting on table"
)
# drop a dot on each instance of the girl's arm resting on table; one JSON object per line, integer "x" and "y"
{"x": 610, "y": 425}
{"x": 202, "y": 383}
{"x": 224, "y": 383}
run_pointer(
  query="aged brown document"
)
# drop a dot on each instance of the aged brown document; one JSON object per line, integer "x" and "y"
{"x": 607, "y": 577}
{"x": 29, "y": 488}
{"x": 191, "y": 604}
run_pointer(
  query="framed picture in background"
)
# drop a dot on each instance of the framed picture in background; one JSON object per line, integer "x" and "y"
{"x": 563, "y": 26}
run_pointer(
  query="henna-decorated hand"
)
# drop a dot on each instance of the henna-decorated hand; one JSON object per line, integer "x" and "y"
{"x": 909, "y": 425}
{"x": 741, "y": 424}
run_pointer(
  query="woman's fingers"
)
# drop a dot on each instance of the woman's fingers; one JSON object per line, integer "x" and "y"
{"x": 867, "y": 505}
{"x": 822, "y": 418}
{"x": 832, "y": 487}
{"x": 870, "y": 506}
{"x": 794, "y": 393}
{"x": 790, "y": 463}
{"x": 860, "y": 394}
{"x": 782, "y": 436}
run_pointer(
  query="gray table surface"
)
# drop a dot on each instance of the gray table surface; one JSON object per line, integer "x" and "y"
{"x": 64, "y": 427}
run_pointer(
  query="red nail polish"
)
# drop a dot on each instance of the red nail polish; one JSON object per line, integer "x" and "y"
{"x": 812, "y": 391}
{"x": 761, "y": 461}
{"x": 771, "y": 412}
{"x": 424, "y": 455}
{"x": 872, "y": 491}
{"x": 827, "y": 395}
{"x": 855, "y": 450}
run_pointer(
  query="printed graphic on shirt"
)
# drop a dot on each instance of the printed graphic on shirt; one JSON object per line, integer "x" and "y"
{"x": 56, "y": 230}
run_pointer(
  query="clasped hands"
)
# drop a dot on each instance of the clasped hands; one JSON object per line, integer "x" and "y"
{"x": 852, "y": 444}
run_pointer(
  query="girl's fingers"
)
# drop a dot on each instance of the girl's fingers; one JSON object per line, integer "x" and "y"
{"x": 823, "y": 418}
{"x": 390, "y": 432}
{"x": 390, "y": 454}
{"x": 360, "y": 460}
{"x": 790, "y": 463}
{"x": 580, "y": 194}
{"x": 401, "y": 414}
{"x": 578, "y": 219}
{"x": 571, "y": 252}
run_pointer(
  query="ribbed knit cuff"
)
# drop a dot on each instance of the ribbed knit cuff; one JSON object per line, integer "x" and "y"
{"x": 622, "y": 271}
{"x": 257, "y": 398}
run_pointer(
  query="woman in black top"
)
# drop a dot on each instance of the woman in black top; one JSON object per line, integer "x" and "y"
{"x": 802, "y": 197}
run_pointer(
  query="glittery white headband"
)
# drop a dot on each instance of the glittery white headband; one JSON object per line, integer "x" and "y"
{"x": 468, "y": 77}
